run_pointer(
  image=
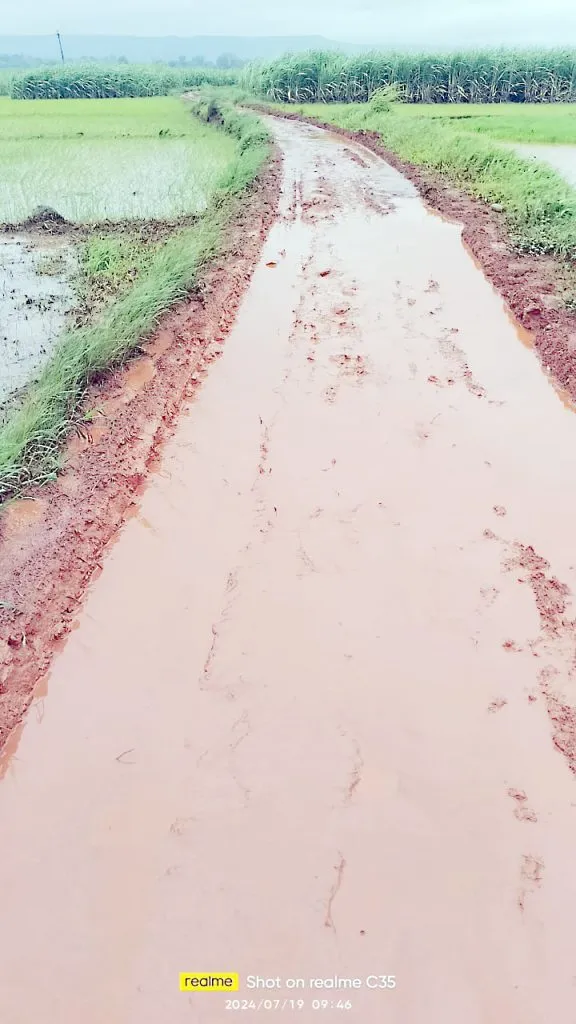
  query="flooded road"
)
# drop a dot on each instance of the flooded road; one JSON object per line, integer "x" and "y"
{"x": 310, "y": 724}
{"x": 562, "y": 158}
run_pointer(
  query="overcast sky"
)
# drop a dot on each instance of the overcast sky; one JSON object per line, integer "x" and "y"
{"x": 432, "y": 22}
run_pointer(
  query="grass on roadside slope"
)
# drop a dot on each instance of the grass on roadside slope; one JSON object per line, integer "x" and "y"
{"x": 32, "y": 435}
{"x": 540, "y": 207}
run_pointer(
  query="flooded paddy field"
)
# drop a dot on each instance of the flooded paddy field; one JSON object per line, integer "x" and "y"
{"x": 36, "y": 293}
{"x": 561, "y": 158}
{"x": 98, "y": 167}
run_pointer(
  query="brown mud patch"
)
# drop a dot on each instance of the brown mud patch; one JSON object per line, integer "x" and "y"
{"x": 556, "y": 642}
{"x": 50, "y": 222}
{"x": 51, "y": 544}
{"x": 531, "y": 285}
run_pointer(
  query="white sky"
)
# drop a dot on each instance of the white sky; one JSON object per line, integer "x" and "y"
{"x": 429, "y": 22}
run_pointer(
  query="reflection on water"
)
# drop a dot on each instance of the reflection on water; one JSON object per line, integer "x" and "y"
{"x": 561, "y": 158}
{"x": 35, "y": 295}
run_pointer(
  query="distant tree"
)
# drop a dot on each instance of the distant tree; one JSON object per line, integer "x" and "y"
{"x": 19, "y": 60}
{"x": 189, "y": 62}
{"x": 123, "y": 60}
{"x": 225, "y": 60}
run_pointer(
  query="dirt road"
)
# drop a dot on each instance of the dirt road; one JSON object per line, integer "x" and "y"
{"x": 315, "y": 719}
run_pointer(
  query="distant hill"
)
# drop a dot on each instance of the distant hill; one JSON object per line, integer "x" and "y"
{"x": 143, "y": 49}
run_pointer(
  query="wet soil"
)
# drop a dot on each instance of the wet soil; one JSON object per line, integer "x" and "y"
{"x": 45, "y": 223}
{"x": 316, "y": 715}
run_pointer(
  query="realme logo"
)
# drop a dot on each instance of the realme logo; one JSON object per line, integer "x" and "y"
{"x": 209, "y": 983}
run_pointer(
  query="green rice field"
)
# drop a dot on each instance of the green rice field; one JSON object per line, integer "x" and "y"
{"x": 507, "y": 122}
{"x": 97, "y": 160}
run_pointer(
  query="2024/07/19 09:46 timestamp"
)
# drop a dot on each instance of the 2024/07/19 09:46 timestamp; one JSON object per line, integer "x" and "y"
{"x": 288, "y": 1004}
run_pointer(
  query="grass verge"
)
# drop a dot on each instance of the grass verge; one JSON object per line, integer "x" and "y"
{"x": 539, "y": 206}
{"x": 32, "y": 435}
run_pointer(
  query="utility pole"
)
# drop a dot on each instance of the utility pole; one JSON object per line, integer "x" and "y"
{"x": 60, "y": 45}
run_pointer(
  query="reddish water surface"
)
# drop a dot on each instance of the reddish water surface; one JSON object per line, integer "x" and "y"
{"x": 306, "y": 725}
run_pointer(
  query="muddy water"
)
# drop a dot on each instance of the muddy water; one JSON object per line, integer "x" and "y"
{"x": 35, "y": 296}
{"x": 301, "y": 730}
{"x": 561, "y": 158}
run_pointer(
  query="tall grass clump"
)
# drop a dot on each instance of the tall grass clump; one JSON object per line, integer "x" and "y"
{"x": 483, "y": 76}
{"x": 6, "y": 77}
{"x": 93, "y": 81}
{"x": 32, "y": 434}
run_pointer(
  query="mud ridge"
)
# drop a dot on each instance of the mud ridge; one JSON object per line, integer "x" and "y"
{"x": 51, "y": 543}
{"x": 557, "y": 637}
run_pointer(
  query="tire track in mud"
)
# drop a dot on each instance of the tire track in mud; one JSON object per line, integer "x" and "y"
{"x": 315, "y": 309}
{"x": 556, "y": 641}
{"x": 320, "y": 287}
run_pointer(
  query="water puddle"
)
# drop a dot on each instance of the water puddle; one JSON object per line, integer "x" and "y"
{"x": 525, "y": 338}
{"x": 561, "y": 158}
{"x": 35, "y": 296}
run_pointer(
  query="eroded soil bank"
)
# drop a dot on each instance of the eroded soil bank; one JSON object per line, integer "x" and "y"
{"x": 316, "y": 715}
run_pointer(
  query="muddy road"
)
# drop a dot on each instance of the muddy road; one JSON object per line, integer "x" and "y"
{"x": 316, "y": 716}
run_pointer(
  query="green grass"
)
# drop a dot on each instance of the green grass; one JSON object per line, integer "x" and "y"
{"x": 109, "y": 264}
{"x": 116, "y": 259}
{"x": 31, "y": 436}
{"x": 95, "y": 160}
{"x": 507, "y": 122}
{"x": 540, "y": 207}
{"x": 482, "y": 76}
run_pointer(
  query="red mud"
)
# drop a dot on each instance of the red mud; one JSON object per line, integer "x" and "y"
{"x": 529, "y": 284}
{"x": 557, "y": 638}
{"x": 53, "y": 540}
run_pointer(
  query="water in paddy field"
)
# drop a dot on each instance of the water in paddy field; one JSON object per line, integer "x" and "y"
{"x": 35, "y": 295}
{"x": 560, "y": 157}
